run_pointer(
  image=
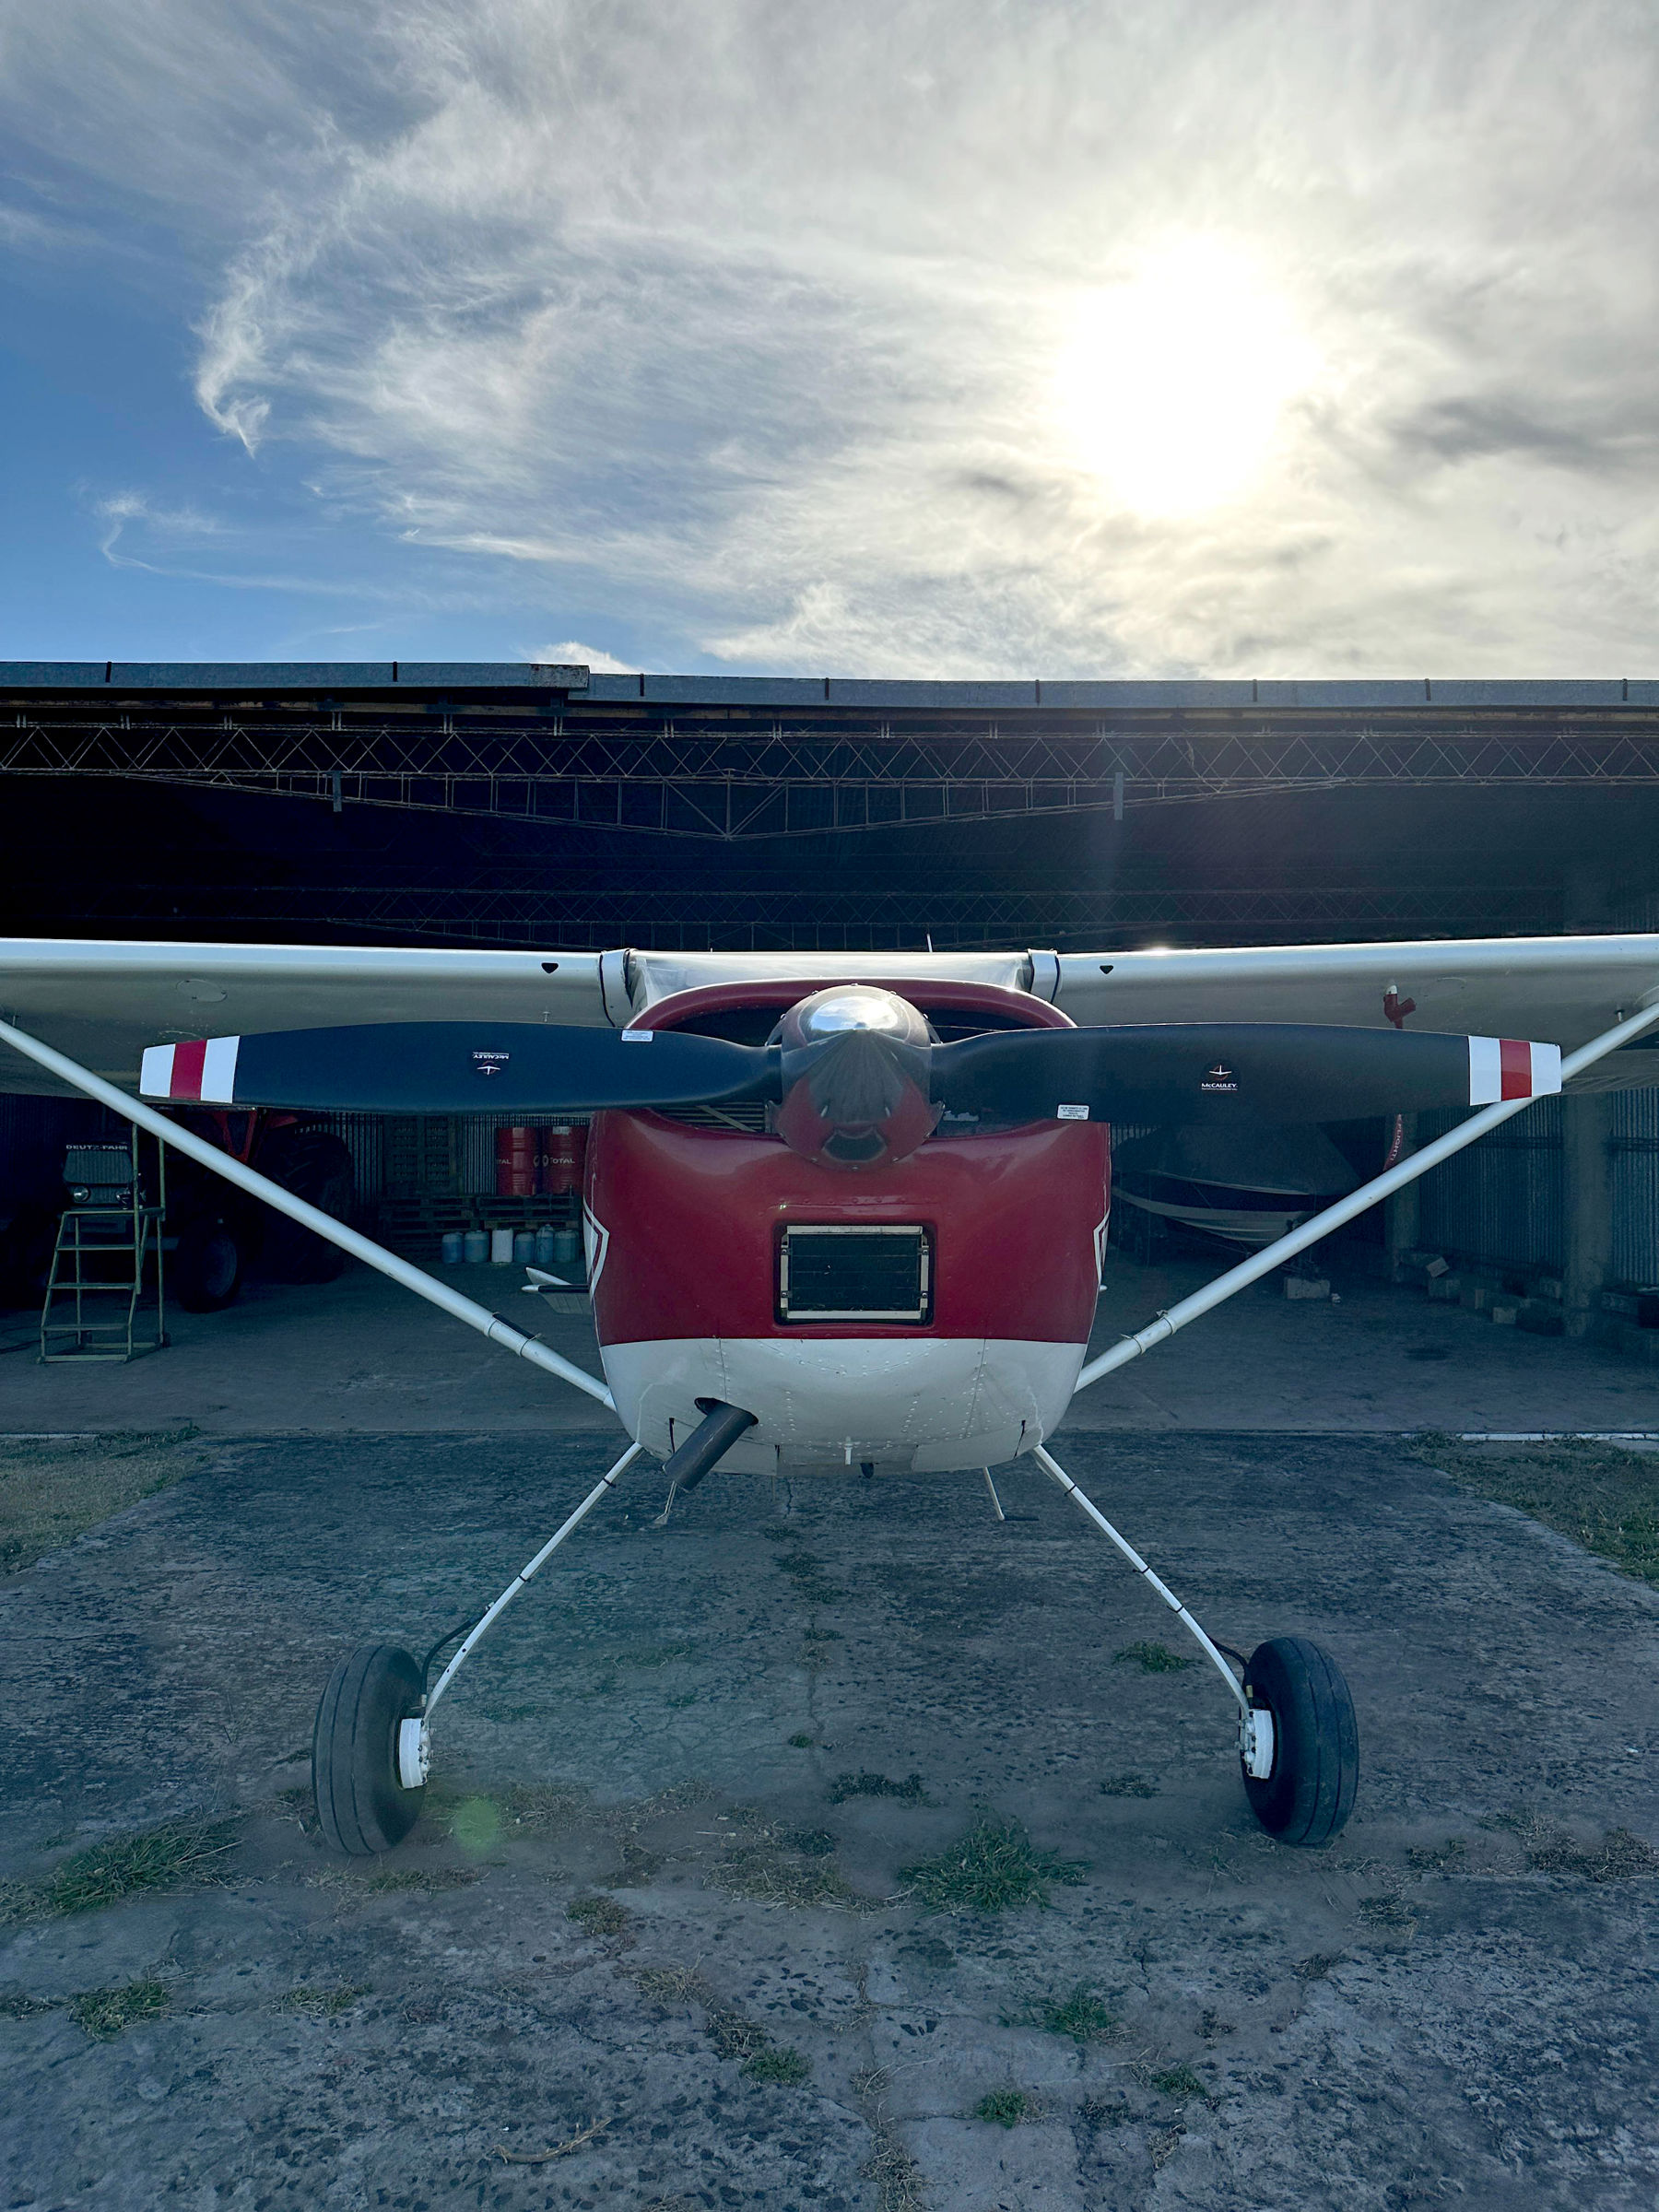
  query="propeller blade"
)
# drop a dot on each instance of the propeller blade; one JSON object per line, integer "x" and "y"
{"x": 1204, "y": 1072}
{"x": 460, "y": 1067}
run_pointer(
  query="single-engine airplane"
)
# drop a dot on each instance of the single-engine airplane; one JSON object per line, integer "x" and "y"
{"x": 841, "y": 1211}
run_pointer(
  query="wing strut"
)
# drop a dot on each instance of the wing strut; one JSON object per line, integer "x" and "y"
{"x": 1320, "y": 1225}
{"x": 309, "y": 1217}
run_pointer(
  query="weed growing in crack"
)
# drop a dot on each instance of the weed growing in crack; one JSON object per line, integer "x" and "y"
{"x": 1128, "y": 1786}
{"x": 1081, "y": 2013}
{"x": 324, "y": 2004}
{"x": 599, "y": 1916}
{"x": 784, "y": 2065}
{"x": 166, "y": 1857}
{"x": 1153, "y": 1659}
{"x": 1003, "y": 2108}
{"x": 908, "y": 1792}
{"x": 1178, "y": 2081}
{"x": 992, "y": 1867}
{"x": 105, "y": 2013}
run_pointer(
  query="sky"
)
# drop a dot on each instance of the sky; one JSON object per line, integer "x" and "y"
{"x": 891, "y": 338}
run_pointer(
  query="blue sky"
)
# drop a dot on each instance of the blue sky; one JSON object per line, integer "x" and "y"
{"x": 906, "y": 338}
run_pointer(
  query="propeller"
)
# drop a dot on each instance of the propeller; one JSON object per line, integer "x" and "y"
{"x": 855, "y": 1096}
{"x": 1200, "y": 1072}
{"x": 460, "y": 1067}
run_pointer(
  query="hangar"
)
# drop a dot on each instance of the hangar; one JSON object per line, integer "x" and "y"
{"x": 545, "y": 805}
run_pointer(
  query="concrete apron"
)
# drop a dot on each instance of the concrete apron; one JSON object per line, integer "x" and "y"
{"x": 1418, "y": 2012}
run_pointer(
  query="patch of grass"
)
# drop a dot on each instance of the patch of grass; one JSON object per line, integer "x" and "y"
{"x": 768, "y": 1876}
{"x": 784, "y": 2065}
{"x": 1178, "y": 2081}
{"x": 1003, "y": 2108}
{"x": 800, "y": 1740}
{"x": 808, "y": 1577}
{"x": 1617, "y": 1858}
{"x": 387, "y": 1880}
{"x": 638, "y": 1869}
{"x": 908, "y": 1792}
{"x": 15, "y": 2006}
{"x": 51, "y": 1491}
{"x": 324, "y": 2004}
{"x": 168, "y": 1856}
{"x": 1081, "y": 2013}
{"x": 1435, "y": 1858}
{"x": 670, "y": 1984}
{"x": 1105, "y": 2111}
{"x": 475, "y": 1824}
{"x": 599, "y": 1916}
{"x": 992, "y": 1867}
{"x": 1602, "y": 1497}
{"x": 1318, "y": 1965}
{"x": 1128, "y": 1786}
{"x": 1153, "y": 1659}
{"x": 545, "y": 1808}
{"x": 104, "y": 2013}
{"x": 1388, "y": 1911}
{"x": 811, "y": 1843}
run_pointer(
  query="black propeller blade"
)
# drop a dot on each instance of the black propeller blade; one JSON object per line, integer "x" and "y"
{"x": 463, "y": 1068}
{"x": 1196, "y": 1072}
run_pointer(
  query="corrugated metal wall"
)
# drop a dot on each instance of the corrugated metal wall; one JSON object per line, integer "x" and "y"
{"x": 1499, "y": 1201}
{"x": 1635, "y": 1139}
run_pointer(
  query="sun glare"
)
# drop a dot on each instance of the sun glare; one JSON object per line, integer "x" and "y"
{"x": 1171, "y": 385}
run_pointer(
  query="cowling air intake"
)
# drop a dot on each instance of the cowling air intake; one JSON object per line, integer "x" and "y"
{"x": 854, "y": 1065}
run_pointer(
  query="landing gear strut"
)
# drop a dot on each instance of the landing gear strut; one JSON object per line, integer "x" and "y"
{"x": 370, "y": 1747}
{"x": 1299, "y": 1741}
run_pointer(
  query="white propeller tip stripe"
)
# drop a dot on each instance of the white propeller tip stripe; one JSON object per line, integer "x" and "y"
{"x": 218, "y": 1071}
{"x": 155, "y": 1073}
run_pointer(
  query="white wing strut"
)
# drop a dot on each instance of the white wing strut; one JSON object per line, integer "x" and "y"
{"x": 1320, "y": 1225}
{"x": 309, "y": 1217}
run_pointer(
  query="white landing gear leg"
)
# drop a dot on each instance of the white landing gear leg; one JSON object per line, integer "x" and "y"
{"x": 1299, "y": 1741}
{"x": 370, "y": 1748}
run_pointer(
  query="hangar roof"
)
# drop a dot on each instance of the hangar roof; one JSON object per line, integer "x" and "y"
{"x": 337, "y": 679}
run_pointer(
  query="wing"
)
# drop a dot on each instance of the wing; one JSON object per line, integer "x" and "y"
{"x": 103, "y": 1003}
{"x": 1565, "y": 990}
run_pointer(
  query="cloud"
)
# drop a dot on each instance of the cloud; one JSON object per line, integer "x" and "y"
{"x": 772, "y": 330}
{"x": 572, "y": 655}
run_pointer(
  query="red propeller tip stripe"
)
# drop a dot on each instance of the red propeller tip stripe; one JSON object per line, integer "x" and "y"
{"x": 201, "y": 1071}
{"x": 1510, "y": 1067}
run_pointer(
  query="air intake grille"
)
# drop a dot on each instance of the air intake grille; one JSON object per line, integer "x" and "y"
{"x": 846, "y": 1274}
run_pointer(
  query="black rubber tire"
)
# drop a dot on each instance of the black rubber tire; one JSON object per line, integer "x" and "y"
{"x": 205, "y": 1269}
{"x": 362, "y": 1807}
{"x": 1310, "y": 1794}
{"x": 315, "y": 1165}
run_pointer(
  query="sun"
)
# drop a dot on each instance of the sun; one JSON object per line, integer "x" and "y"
{"x": 1171, "y": 385}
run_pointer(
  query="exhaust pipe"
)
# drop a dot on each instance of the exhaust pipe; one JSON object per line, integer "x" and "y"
{"x": 713, "y": 1438}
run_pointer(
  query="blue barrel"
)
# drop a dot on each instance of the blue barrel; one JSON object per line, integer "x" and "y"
{"x": 476, "y": 1245}
{"x": 567, "y": 1248}
{"x": 545, "y": 1240}
{"x": 455, "y": 1248}
{"x": 524, "y": 1245}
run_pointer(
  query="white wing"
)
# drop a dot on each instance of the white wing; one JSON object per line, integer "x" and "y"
{"x": 103, "y": 1003}
{"x": 1561, "y": 990}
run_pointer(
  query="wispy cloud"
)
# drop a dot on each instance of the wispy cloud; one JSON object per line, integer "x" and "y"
{"x": 933, "y": 336}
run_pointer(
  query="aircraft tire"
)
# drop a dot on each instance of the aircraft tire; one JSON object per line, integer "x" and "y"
{"x": 362, "y": 1805}
{"x": 1310, "y": 1794}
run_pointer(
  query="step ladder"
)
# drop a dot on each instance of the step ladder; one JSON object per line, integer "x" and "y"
{"x": 109, "y": 1248}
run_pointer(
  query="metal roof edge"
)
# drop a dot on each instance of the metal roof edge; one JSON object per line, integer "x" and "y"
{"x": 264, "y": 678}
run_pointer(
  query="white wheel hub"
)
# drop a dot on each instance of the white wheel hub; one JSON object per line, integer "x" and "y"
{"x": 1256, "y": 1742}
{"x": 413, "y": 1754}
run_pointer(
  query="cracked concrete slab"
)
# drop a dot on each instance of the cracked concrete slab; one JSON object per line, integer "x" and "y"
{"x": 1445, "y": 2007}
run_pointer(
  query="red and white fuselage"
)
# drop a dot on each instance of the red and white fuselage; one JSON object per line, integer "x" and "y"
{"x": 918, "y": 1314}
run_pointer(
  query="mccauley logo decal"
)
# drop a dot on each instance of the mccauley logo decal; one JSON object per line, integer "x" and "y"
{"x": 1218, "y": 1078}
